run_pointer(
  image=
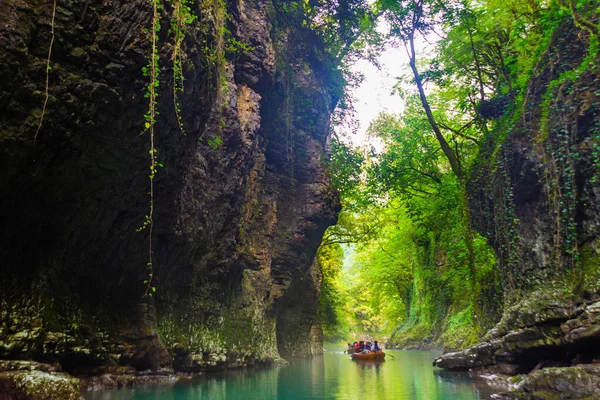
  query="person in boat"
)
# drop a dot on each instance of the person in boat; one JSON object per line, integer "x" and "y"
{"x": 375, "y": 347}
{"x": 350, "y": 348}
{"x": 363, "y": 349}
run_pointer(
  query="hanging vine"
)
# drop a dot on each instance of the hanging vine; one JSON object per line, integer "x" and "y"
{"x": 182, "y": 17}
{"x": 561, "y": 153}
{"x": 48, "y": 69}
{"x": 214, "y": 32}
{"x": 151, "y": 71}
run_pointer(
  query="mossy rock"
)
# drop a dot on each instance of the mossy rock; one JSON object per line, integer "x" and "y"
{"x": 565, "y": 383}
{"x": 38, "y": 385}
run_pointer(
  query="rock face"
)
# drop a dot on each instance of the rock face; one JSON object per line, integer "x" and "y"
{"x": 536, "y": 196}
{"x": 30, "y": 380}
{"x": 532, "y": 333}
{"x": 240, "y": 204}
{"x": 580, "y": 382}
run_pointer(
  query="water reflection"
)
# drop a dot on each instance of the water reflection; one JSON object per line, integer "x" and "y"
{"x": 405, "y": 375}
{"x": 369, "y": 363}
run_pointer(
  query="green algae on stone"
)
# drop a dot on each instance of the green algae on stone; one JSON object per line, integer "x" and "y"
{"x": 590, "y": 264}
{"x": 39, "y": 385}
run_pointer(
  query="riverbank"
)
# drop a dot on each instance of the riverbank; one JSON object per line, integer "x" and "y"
{"x": 31, "y": 380}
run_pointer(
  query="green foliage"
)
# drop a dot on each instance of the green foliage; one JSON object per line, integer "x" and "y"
{"x": 410, "y": 167}
{"x": 181, "y": 17}
{"x": 152, "y": 71}
{"x": 342, "y": 28}
{"x": 347, "y": 27}
{"x": 460, "y": 330}
{"x": 215, "y": 143}
{"x": 236, "y": 46}
{"x": 346, "y": 166}
{"x": 331, "y": 35}
{"x": 418, "y": 270}
{"x": 333, "y": 296}
{"x": 410, "y": 270}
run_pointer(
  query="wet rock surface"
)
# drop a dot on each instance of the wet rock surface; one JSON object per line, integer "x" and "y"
{"x": 533, "y": 340}
{"x": 541, "y": 349}
{"x": 38, "y": 385}
{"x": 577, "y": 382}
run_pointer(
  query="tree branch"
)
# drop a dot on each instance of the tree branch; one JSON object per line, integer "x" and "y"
{"x": 459, "y": 131}
{"x": 452, "y": 159}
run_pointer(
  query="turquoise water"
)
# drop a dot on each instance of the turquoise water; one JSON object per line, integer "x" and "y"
{"x": 405, "y": 375}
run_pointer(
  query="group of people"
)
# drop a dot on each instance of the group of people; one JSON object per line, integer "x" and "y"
{"x": 363, "y": 347}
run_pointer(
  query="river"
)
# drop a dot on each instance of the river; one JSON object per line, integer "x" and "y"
{"x": 405, "y": 375}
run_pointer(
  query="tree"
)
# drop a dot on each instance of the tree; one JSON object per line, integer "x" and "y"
{"x": 408, "y": 19}
{"x": 332, "y": 299}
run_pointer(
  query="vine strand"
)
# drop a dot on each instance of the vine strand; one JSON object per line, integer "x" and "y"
{"x": 48, "y": 69}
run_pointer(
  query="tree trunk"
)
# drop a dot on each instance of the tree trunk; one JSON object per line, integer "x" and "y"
{"x": 452, "y": 158}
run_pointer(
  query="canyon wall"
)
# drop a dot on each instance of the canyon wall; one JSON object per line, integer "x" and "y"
{"x": 535, "y": 194}
{"x": 240, "y": 200}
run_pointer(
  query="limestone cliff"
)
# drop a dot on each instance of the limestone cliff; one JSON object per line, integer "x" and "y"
{"x": 535, "y": 194}
{"x": 239, "y": 207}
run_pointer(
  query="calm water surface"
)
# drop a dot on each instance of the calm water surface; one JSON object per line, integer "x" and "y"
{"x": 405, "y": 375}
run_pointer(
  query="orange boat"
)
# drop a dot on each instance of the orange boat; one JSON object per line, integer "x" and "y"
{"x": 373, "y": 356}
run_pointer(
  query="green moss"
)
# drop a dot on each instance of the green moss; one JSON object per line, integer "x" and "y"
{"x": 547, "y": 395}
{"x": 50, "y": 316}
{"x": 590, "y": 266}
{"x": 38, "y": 385}
{"x": 236, "y": 332}
{"x": 516, "y": 380}
{"x": 460, "y": 330}
{"x": 419, "y": 334}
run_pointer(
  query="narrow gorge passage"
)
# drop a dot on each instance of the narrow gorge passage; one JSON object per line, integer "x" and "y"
{"x": 198, "y": 186}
